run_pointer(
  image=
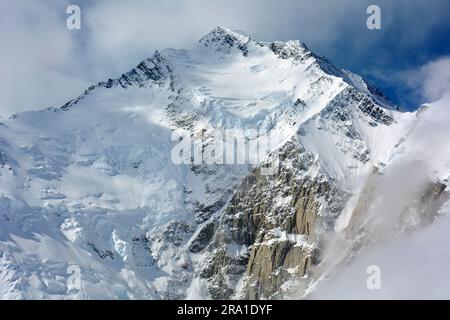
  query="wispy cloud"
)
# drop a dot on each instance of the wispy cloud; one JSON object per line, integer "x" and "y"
{"x": 414, "y": 264}
{"x": 36, "y": 60}
{"x": 432, "y": 80}
{"x": 45, "y": 64}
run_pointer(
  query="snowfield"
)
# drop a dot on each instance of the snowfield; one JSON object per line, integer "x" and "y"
{"x": 92, "y": 205}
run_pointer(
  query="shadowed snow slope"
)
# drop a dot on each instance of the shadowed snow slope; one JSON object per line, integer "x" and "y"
{"x": 91, "y": 185}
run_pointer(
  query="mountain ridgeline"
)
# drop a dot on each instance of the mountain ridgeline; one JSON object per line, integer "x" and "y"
{"x": 92, "y": 183}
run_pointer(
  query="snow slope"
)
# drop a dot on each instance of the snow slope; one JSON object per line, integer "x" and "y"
{"x": 92, "y": 184}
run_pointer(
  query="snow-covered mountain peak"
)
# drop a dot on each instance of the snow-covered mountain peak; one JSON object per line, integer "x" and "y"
{"x": 224, "y": 37}
{"x": 225, "y": 40}
{"x": 148, "y": 72}
{"x": 99, "y": 184}
{"x": 215, "y": 52}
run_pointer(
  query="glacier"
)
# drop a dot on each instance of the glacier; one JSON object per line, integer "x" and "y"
{"x": 92, "y": 184}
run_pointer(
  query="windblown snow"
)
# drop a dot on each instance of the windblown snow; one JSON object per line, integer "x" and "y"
{"x": 92, "y": 205}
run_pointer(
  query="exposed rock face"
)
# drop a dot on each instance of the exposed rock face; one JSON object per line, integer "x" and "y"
{"x": 151, "y": 70}
{"x": 223, "y": 40}
{"x": 273, "y": 225}
{"x": 268, "y": 238}
{"x": 271, "y": 228}
{"x": 432, "y": 199}
{"x": 205, "y": 235}
{"x": 3, "y": 158}
{"x": 99, "y": 181}
{"x": 271, "y": 266}
{"x": 428, "y": 200}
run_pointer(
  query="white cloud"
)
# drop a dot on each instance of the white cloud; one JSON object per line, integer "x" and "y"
{"x": 36, "y": 58}
{"x": 435, "y": 77}
{"x": 45, "y": 64}
{"x": 412, "y": 267}
{"x": 414, "y": 264}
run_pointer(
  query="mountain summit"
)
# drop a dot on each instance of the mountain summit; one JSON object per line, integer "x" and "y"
{"x": 93, "y": 204}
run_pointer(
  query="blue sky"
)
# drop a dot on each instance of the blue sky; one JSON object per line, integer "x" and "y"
{"x": 45, "y": 64}
{"x": 407, "y": 41}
